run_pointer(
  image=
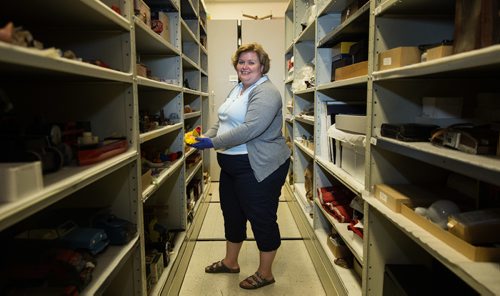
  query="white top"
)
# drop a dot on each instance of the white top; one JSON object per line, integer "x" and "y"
{"x": 232, "y": 113}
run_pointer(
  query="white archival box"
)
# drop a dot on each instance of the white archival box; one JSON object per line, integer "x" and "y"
{"x": 18, "y": 180}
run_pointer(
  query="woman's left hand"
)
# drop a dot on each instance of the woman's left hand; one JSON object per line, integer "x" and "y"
{"x": 203, "y": 143}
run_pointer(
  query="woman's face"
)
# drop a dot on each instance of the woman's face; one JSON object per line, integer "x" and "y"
{"x": 249, "y": 68}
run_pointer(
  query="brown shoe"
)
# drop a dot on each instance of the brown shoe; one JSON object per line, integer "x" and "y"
{"x": 255, "y": 281}
{"x": 219, "y": 267}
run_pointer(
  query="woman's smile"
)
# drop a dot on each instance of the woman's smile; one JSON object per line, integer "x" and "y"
{"x": 249, "y": 68}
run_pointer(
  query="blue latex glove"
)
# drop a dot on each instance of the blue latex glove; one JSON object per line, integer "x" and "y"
{"x": 203, "y": 143}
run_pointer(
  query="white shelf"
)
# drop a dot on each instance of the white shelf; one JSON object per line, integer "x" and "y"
{"x": 144, "y": 137}
{"x": 341, "y": 175}
{"x": 483, "y": 59}
{"x": 308, "y": 151}
{"x": 485, "y": 167}
{"x": 147, "y": 82}
{"x": 391, "y": 96}
{"x": 164, "y": 175}
{"x": 192, "y": 114}
{"x": 305, "y": 204}
{"x": 150, "y": 42}
{"x": 60, "y": 184}
{"x": 42, "y": 62}
{"x": 483, "y": 276}
{"x": 158, "y": 287}
{"x": 108, "y": 263}
{"x": 110, "y": 99}
{"x": 353, "y": 243}
{"x": 355, "y": 81}
{"x": 192, "y": 172}
{"x": 351, "y": 283}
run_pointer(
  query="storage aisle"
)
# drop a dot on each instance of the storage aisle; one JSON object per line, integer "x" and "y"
{"x": 293, "y": 269}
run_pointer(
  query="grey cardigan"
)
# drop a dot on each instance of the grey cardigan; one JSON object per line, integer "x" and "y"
{"x": 261, "y": 131}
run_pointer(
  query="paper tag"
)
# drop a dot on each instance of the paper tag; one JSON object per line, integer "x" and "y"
{"x": 387, "y": 61}
{"x": 382, "y": 196}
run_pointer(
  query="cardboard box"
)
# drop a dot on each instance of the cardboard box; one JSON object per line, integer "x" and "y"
{"x": 439, "y": 52}
{"x": 395, "y": 195}
{"x": 354, "y": 70}
{"x": 351, "y": 123}
{"x": 390, "y": 197}
{"x": 18, "y": 180}
{"x": 339, "y": 61}
{"x": 398, "y": 57}
{"x": 474, "y": 253}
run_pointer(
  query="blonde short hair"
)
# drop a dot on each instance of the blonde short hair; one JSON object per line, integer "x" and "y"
{"x": 258, "y": 49}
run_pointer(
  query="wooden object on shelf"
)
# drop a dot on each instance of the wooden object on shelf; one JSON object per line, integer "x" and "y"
{"x": 351, "y": 71}
{"x": 439, "y": 52}
{"x": 476, "y": 227}
{"x": 390, "y": 197}
{"x": 398, "y": 57}
{"x": 395, "y": 195}
{"x": 475, "y": 253}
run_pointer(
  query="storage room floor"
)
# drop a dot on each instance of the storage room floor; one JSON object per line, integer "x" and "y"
{"x": 293, "y": 268}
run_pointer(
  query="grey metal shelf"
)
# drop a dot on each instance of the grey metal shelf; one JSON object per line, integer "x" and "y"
{"x": 484, "y": 167}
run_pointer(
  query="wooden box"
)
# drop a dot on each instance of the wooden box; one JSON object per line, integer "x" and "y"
{"x": 474, "y": 253}
{"x": 390, "y": 197}
{"x": 354, "y": 70}
{"x": 395, "y": 195}
{"x": 398, "y": 57}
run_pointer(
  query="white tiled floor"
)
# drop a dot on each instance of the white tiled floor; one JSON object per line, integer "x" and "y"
{"x": 293, "y": 269}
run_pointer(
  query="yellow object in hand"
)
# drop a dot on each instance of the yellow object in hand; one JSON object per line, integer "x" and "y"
{"x": 190, "y": 137}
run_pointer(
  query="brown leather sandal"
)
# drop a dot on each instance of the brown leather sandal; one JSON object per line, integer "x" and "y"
{"x": 255, "y": 281}
{"x": 219, "y": 267}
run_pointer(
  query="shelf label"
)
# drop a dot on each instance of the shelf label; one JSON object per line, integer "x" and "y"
{"x": 382, "y": 196}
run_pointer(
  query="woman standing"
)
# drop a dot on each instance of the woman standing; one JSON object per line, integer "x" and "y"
{"x": 254, "y": 160}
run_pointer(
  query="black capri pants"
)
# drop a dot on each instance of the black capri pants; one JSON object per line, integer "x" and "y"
{"x": 243, "y": 198}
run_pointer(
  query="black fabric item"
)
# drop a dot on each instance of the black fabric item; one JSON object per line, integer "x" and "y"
{"x": 408, "y": 132}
